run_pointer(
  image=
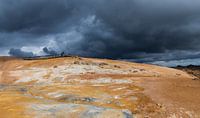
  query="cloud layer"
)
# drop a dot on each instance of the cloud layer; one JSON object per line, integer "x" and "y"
{"x": 139, "y": 30}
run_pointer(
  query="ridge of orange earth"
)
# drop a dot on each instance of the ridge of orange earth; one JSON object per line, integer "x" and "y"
{"x": 85, "y": 87}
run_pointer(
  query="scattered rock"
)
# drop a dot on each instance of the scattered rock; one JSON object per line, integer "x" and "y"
{"x": 55, "y": 66}
{"x": 23, "y": 89}
{"x": 76, "y": 62}
{"x": 178, "y": 74}
{"x": 77, "y": 57}
{"x": 159, "y": 105}
{"x": 116, "y": 66}
{"x": 103, "y": 64}
{"x": 133, "y": 71}
{"x": 142, "y": 70}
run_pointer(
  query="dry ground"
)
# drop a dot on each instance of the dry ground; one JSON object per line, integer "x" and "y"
{"x": 76, "y": 87}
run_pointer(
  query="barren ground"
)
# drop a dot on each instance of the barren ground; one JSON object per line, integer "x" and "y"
{"x": 74, "y": 87}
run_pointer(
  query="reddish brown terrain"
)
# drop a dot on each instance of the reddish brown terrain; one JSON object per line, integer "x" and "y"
{"x": 73, "y": 87}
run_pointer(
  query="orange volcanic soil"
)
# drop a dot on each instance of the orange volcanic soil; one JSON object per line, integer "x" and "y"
{"x": 75, "y": 87}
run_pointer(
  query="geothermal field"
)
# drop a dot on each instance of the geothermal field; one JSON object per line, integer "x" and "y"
{"x": 75, "y": 87}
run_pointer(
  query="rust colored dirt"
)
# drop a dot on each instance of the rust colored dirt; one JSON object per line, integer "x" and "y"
{"x": 73, "y": 87}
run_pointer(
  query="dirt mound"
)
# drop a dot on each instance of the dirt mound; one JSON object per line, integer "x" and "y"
{"x": 83, "y": 87}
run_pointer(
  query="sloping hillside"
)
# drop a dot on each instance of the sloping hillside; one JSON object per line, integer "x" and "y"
{"x": 192, "y": 70}
{"x": 75, "y": 87}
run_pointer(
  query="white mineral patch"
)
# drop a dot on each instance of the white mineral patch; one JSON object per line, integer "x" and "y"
{"x": 120, "y": 88}
{"x": 38, "y": 74}
{"x": 55, "y": 94}
{"x": 24, "y": 80}
{"x": 102, "y": 81}
{"x": 76, "y": 111}
{"x": 110, "y": 80}
{"x": 30, "y": 75}
{"x": 78, "y": 69}
{"x": 116, "y": 97}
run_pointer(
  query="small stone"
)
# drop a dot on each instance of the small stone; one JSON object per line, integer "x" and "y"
{"x": 76, "y": 62}
{"x": 116, "y": 66}
{"x": 55, "y": 66}
{"x": 195, "y": 78}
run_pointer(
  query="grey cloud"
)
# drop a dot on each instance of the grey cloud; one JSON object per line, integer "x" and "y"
{"x": 49, "y": 52}
{"x": 140, "y": 30}
{"x": 20, "y": 53}
{"x": 174, "y": 63}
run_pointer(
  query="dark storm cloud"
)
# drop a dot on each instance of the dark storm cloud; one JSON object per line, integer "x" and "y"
{"x": 20, "y": 53}
{"x": 49, "y": 52}
{"x": 142, "y": 30}
{"x": 34, "y": 16}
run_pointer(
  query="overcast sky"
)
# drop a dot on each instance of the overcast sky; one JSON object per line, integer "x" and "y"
{"x": 165, "y": 32}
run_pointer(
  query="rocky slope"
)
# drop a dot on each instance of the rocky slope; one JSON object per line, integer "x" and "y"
{"x": 73, "y": 87}
{"x": 192, "y": 70}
